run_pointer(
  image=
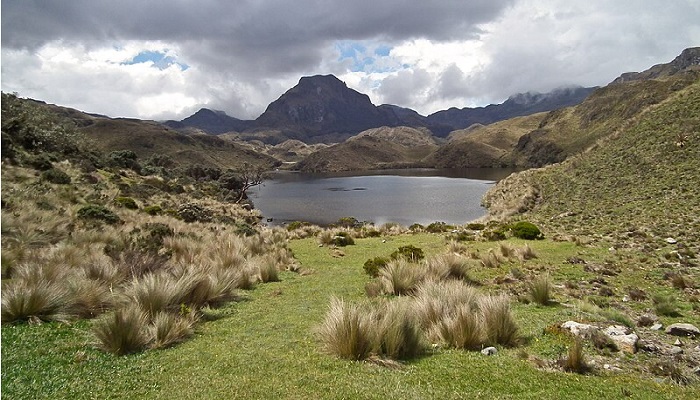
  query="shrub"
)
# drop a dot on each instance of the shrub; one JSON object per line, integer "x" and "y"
{"x": 42, "y": 300}
{"x": 126, "y": 202}
{"x": 540, "y": 290}
{"x": 55, "y": 175}
{"x": 41, "y": 162}
{"x": 153, "y": 210}
{"x": 494, "y": 234}
{"x": 373, "y": 265}
{"x": 124, "y": 159}
{"x": 296, "y": 225}
{"x": 400, "y": 277}
{"x": 123, "y": 332}
{"x": 191, "y": 212}
{"x": 245, "y": 229}
{"x": 526, "y": 230}
{"x": 348, "y": 222}
{"x": 416, "y": 228}
{"x": 97, "y": 212}
{"x": 343, "y": 239}
{"x": 410, "y": 253}
{"x": 346, "y": 331}
{"x": 474, "y": 226}
{"x": 437, "y": 227}
{"x": 499, "y": 324}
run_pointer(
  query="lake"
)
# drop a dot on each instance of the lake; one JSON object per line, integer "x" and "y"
{"x": 405, "y": 196}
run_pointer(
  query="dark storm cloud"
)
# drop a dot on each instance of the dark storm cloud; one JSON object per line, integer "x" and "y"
{"x": 266, "y": 37}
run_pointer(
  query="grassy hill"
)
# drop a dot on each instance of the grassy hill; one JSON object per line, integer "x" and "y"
{"x": 377, "y": 148}
{"x": 641, "y": 181}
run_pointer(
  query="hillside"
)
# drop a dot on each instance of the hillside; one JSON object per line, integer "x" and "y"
{"x": 641, "y": 182}
{"x": 399, "y": 147}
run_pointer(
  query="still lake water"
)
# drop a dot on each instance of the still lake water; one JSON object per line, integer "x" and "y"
{"x": 402, "y": 196}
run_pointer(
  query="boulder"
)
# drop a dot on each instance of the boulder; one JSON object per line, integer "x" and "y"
{"x": 578, "y": 329}
{"x": 624, "y": 338}
{"x": 682, "y": 329}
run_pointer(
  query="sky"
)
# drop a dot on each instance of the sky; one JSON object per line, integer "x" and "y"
{"x": 165, "y": 59}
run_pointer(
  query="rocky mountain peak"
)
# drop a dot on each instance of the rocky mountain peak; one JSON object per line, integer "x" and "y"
{"x": 689, "y": 58}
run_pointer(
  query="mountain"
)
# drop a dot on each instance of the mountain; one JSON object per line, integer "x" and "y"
{"x": 377, "y": 148}
{"x": 319, "y": 107}
{"x": 322, "y": 109}
{"x": 210, "y": 121}
{"x": 515, "y": 106}
{"x": 689, "y": 58}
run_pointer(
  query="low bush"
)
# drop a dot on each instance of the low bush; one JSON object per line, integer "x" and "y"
{"x": 348, "y": 222}
{"x": 494, "y": 234}
{"x": 410, "y": 253}
{"x": 55, "y": 175}
{"x": 526, "y": 230}
{"x": 97, "y": 212}
{"x": 297, "y": 225}
{"x": 153, "y": 210}
{"x": 373, "y": 265}
{"x": 438, "y": 227}
{"x": 191, "y": 212}
{"x": 126, "y": 202}
{"x": 475, "y": 226}
{"x": 665, "y": 305}
{"x": 342, "y": 239}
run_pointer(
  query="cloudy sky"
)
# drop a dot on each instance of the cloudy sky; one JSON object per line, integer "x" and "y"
{"x": 164, "y": 59}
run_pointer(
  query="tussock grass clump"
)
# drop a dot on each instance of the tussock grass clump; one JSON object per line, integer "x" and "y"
{"x": 436, "y": 299}
{"x": 665, "y": 305}
{"x": 448, "y": 266}
{"x": 575, "y": 360}
{"x": 39, "y": 300}
{"x": 526, "y": 253}
{"x": 540, "y": 290}
{"x": 267, "y": 269}
{"x": 462, "y": 328}
{"x": 156, "y": 292}
{"x": 89, "y": 298}
{"x": 489, "y": 260}
{"x": 169, "y": 329}
{"x": 398, "y": 335}
{"x": 124, "y": 331}
{"x": 345, "y": 331}
{"x": 499, "y": 324}
{"x": 507, "y": 250}
{"x": 400, "y": 277}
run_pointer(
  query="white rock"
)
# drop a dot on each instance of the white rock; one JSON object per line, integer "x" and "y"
{"x": 579, "y": 329}
{"x": 656, "y": 327}
{"x": 624, "y": 338}
{"x": 683, "y": 330}
{"x": 671, "y": 240}
{"x": 489, "y": 351}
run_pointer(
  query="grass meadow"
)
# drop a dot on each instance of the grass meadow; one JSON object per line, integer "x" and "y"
{"x": 265, "y": 345}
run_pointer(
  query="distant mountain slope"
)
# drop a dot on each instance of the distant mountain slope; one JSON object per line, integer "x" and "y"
{"x": 210, "y": 121}
{"x": 642, "y": 180}
{"x": 385, "y": 147}
{"x": 517, "y": 105}
{"x": 689, "y": 58}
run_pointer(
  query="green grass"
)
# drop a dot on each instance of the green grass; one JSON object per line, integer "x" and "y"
{"x": 265, "y": 347}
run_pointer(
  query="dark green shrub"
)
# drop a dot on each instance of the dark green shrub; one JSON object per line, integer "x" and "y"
{"x": 348, "y": 222}
{"x": 124, "y": 159}
{"x": 438, "y": 227}
{"x": 244, "y": 229}
{"x": 296, "y": 225}
{"x": 126, "y": 202}
{"x": 153, "y": 210}
{"x": 41, "y": 162}
{"x": 56, "y": 176}
{"x": 191, "y": 212}
{"x": 416, "y": 228}
{"x": 97, "y": 212}
{"x": 463, "y": 236}
{"x": 476, "y": 226}
{"x": 494, "y": 234}
{"x": 157, "y": 231}
{"x": 372, "y": 233}
{"x": 343, "y": 239}
{"x": 526, "y": 230}
{"x": 410, "y": 253}
{"x": 373, "y": 265}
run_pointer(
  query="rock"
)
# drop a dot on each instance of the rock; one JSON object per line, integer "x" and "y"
{"x": 682, "y": 329}
{"x": 678, "y": 343}
{"x": 489, "y": 351}
{"x": 578, "y": 329}
{"x": 671, "y": 240}
{"x": 625, "y": 339}
{"x": 648, "y": 346}
{"x": 674, "y": 350}
{"x": 656, "y": 327}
